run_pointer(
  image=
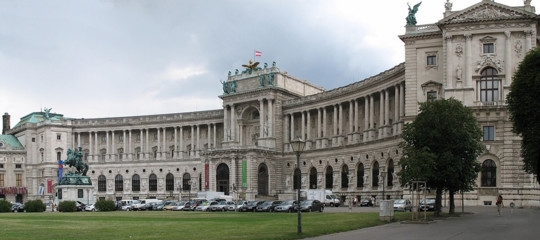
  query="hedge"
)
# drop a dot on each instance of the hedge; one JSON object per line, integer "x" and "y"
{"x": 35, "y": 206}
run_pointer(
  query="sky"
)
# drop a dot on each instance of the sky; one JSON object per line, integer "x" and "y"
{"x": 114, "y": 58}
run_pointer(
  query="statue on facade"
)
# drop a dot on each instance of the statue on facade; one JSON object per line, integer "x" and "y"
{"x": 459, "y": 73}
{"x": 261, "y": 81}
{"x": 411, "y": 18}
{"x": 47, "y": 111}
{"x": 225, "y": 86}
{"x": 271, "y": 79}
{"x": 233, "y": 86}
{"x": 448, "y": 5}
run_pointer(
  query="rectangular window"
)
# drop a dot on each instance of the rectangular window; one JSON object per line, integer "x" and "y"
{"x": 489, "y": 48}
{"x": 59, "y": 193}
{"x": 431, "y": 60}
{"x": 18, "y": 179}
{"x": 33, "y": 139}
{"x": 489, "y": 133}
{"x": 18, "y": 166}
{"x": 1, "y": 165}
{"x": 2, "y": 180}
{"x": 103, "y": 139}
{"x": 138, "y": 137}
{"x": 58, "y": 136}
{"x": 80, "y": 193}
{"x": 121, "y": 138}
{"x": 58, "y": 156}
{"x": 155, "y": 136}
{"x": 431, "y": 96}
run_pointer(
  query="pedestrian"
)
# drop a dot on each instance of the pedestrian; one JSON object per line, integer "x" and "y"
{"x": 499, "y": 204}
{"x": 355, "y": 201}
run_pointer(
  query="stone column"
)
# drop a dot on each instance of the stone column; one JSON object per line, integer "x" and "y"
{"x": 528, "y": 39}
{"x": 96, "y": 146}
{"x": 192, "y": 151}
{"x": 292, "y": 126}
{"x": 325, "y": 124}
{"x": 449, "y": 66}
{"x": 175, "y": 141}
{"x": 208, "y": 135}
{"x": 387, "y": 107}
{"x": 90, "y": 147}
{"x": 215, "y": 135}
{"x": 308, "y": 137}
{"x": 302, "y": 126}
{"x": 381, "y": 113}
{"x": 351, "y": 114}
{"x": 141, "y": 143}
{"x": 468, "y": 63}
{"x": 371, "y": 116}
{"x": 107, "y": 148}
{"x": 507, "y": 63}
{"x": 225, "y": 122}
{"x": 401, "y": 104}
{"x": 130, "y": 145}
{"x": 181, "y": 147}
{"x": 366, "y": 112}
{"x": 147, "y": 148}
{"x": 340, "y": 120}
{"x": 233, "y": 123}
{"x": 165, "y": 149}
{"x": 396, "y": 108}
{"x": 78, "y": 139}
{"x": 356, "y": 115}
{"x": 261, "y": 118}
{"x": 198, "y": 148}
{"x": 319, "y": 119}
{"x": 124, "y": 144}
{"x": 335, "y": 120}
{"x": 270, "y": 118}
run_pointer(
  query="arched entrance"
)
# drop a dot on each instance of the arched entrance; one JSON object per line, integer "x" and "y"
{"x": 222, "y": 178}
{"x": 329, "y": 184}
{"x": 262, "y": 178}
{"x": 313, "y": 178}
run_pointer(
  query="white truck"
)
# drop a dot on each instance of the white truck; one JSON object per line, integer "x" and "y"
{"x": 325, "y": 196}
{"x": 209, "y": 195}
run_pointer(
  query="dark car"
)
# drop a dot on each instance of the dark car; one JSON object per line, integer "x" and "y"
{"x": 311, "y": 206}
{"x": 267, "y": 206}
{"x": 366, "y": 203}
{"x": 17, "y": 207}
{"x": 251, "y": 206}
{"x": 427, "y": 204}
{"x": 285, "y": 206}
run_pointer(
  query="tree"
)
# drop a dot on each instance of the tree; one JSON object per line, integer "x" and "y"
{"x": 441, "y": 147}
{"x": 523, "y": 106}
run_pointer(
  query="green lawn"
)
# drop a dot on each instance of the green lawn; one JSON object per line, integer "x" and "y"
{"x": 179, "y": 225}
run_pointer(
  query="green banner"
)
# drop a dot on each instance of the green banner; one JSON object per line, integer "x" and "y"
{"x": 244, "y": 174}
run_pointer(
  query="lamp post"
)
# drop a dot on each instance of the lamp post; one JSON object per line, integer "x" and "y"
{"x": 383, "y": 175}
{"x": 297, "y": 146}
{"x": 189, "y": 192}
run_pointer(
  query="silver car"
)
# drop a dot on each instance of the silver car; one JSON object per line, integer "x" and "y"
{"x": 402, "y": 205}
{"x": 285, "y": 206}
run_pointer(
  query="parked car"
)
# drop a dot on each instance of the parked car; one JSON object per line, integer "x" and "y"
{"x": 285, "y": 206}
{"x": 402, "y": 205}
{"x": 180, "y": 206}
{"x": 267, "y": 206}
{"x": 366, "y": 203}
{"x": 221, "y": 206}
{"x": 80, "y": 206}
{"x": 250, "y": 206}
{"x": 205, "y": 206}
{"x": 90, "y": 208}
{"x": 17, "y": 207}
{"x": 170, "y": 205}
{"x": 158, "y": 206}
{"x": 427, "y": 204}
{"x": 310, "y": 206}
{"x": 232, "y": 206}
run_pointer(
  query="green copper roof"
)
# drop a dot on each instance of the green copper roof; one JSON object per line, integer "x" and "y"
{"x": 10, "y": 142}
{"x": 37, "y": 117}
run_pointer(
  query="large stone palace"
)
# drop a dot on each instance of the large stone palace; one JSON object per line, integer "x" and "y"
{"x": 352, "y": 132}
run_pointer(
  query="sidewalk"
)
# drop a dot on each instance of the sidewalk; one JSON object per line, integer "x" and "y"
{"x": 519, "y": 224}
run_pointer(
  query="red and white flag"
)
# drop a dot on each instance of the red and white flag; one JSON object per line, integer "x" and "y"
{"x": 258, "y": 53}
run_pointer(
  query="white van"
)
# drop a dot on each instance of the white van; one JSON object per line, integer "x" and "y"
{"x": 144, "y": 202}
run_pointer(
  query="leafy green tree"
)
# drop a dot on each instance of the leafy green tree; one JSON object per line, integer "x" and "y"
{"x": 105, "y": 205}
{"x": 523, "y": 105}
{"x": 5, "y": 206}
{"x": 35, "y": 206}
{"x": 441, "y": 147}
{"x": 67, "y": 206}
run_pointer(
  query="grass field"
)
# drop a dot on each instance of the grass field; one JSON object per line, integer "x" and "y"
{"x": 179, "y": 225}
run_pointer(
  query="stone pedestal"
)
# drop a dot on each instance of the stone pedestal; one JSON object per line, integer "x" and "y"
{"x": 81, "y": 193}
{"x": 386, "y": 210}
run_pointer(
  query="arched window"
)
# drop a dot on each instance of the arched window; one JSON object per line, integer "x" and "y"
{"x": 489, "y": 173}
{"x": 360, "y": 176}
{"x": 390, "y": 174}
{"x": 345, "y": 176}
{"x": 118, "y": 183}
{"x": 375, "y": 175}
{"x": 152, "y": 182}
{"x": 102, "y": 183}
{"x": 329, "y": 175}
{"x": 313, "y": 178}
{"x": 135, "y": 183}
{"x": 169, "y": 182}
{"x": 489, "y": 85}
{"x": 185, "y": 181}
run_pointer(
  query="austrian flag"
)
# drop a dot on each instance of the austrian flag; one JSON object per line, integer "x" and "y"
{"x": 258, "y": 53}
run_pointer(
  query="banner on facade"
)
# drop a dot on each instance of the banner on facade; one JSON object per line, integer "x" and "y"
{"x": 49, "y": 185}
{"x": 244, "y": 174}
{"x": 206, "y": 172}
{"x": 41, "y": 190}
{"x": 60, "y": 168}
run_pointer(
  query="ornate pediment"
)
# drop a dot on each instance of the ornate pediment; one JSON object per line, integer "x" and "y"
{"x": 486, "y": 10}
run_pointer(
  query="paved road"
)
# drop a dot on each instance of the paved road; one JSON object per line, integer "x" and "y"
{"x": 484, "y": 223}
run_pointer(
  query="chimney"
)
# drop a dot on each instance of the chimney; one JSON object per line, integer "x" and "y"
{"x": 7, "y": 125}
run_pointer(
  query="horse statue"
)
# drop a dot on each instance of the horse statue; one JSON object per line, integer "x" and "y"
{"x": 74, "y": 159}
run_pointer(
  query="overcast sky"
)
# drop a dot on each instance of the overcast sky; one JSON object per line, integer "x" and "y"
{"x": 111, "y": 58}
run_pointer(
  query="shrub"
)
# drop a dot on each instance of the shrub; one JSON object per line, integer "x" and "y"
{"x": 34, "y": 206}
{"x": 67, "y": 206}
{"x": 5, "y": 206}
{"x": 105, "y": 205}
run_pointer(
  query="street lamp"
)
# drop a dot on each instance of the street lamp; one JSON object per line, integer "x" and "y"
{"x": 189, "y": 192}
{"x": 383, "y": 175}
{"x": 297, "y": 146}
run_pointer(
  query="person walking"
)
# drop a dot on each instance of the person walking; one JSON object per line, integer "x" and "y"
{"x": 499, "y": 204}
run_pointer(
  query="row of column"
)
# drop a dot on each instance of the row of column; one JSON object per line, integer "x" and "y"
{"x": 372, "y": 128}
{"x": 231, "y": 126}
{"x": 162, "y": 148}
